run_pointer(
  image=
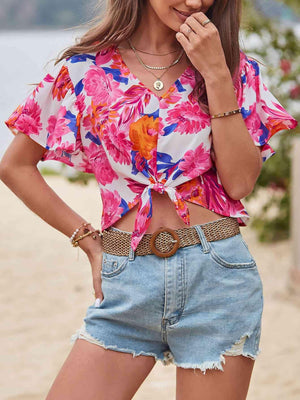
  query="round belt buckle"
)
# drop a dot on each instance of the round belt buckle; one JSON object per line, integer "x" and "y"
{"x": 175, "y": 241}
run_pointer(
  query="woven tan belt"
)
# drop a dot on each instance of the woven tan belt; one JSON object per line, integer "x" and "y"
{"x": 165, "y": 241}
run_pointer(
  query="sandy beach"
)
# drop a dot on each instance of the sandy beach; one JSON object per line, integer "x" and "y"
{"x": 45, "y": 291}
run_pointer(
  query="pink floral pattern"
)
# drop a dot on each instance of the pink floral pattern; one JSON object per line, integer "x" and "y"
{"x": 196, "y": 162}
{"x": 103, "y": 171}
{"x": 117, "y": 144}
{"x": 186, "y": 117}
{"x": 29, "y": 120}
{"x": 96, "y": 116}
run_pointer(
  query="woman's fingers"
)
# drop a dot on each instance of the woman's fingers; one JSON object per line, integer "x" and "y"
{"x": 97, "y": 287}
{"x": 96, "y": 265}
{"x": 202, "y": 45}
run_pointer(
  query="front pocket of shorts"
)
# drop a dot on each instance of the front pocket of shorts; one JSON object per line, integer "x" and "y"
{"x": 232, "y": 252}
{"x": 113, "y": 265}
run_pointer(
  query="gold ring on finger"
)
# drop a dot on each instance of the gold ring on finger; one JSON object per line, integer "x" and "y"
{"x": 205, "y": 22}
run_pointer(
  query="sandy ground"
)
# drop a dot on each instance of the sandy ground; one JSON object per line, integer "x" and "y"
{"x": 45, "y": 291}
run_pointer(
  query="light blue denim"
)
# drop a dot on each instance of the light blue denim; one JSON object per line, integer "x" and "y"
{"x": 190, "y": 309}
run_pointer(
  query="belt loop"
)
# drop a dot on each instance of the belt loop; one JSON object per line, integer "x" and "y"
{"x": 131, "y": 254}
{"x": 204, "y": 242}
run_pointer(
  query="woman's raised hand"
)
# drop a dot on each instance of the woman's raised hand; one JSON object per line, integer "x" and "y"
{"x": 202, "y": 44}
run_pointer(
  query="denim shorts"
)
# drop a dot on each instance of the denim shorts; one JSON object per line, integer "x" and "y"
{"x": 190, "y": 309}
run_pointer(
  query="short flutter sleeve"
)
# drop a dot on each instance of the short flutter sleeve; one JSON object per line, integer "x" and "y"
{"x": 262, "y": 112}
{"x": 51, "y": 116}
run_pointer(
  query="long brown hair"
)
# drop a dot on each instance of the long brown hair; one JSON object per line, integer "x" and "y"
{"x": 120, "y": 20}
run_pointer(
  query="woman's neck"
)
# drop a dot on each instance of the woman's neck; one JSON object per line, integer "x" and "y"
{"x": 153, "y": 35}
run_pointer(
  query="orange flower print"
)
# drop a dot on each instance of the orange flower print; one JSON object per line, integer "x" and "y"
{"x": 62, "y": 84}
{"x": 11, "y": 121}
{"x": 143, "y": 134}
{"x": 193, "y": 191}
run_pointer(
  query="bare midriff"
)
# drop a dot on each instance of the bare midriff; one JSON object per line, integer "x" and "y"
{"x": 164, "y": 214}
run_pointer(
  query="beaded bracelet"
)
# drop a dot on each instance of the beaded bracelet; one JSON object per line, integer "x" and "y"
{"x": 77, "y": 230}
{"x": 225, "y": 114}
{"x": 88, "y": 233}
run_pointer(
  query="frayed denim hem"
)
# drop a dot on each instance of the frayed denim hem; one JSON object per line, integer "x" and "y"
{"x": 235, "y": 350}
{"x": 81, "y": 333}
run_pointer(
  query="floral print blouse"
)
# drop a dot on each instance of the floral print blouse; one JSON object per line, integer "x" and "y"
{"x": 93, "y": 114}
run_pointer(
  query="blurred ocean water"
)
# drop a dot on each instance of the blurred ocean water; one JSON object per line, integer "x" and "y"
{"x": 24, "y": 55}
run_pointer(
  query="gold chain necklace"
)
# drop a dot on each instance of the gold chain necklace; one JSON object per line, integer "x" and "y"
{"x": 158, "y": 84}
{"x": 149, "y": 66}
{"x": 152, "y": 54}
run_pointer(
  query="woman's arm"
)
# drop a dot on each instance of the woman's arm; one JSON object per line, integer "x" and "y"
{"x": 19, "y": 172}
{"x": 238, "y": 160}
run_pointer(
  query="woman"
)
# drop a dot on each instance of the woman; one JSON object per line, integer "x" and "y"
{"x": 158, "y": 102}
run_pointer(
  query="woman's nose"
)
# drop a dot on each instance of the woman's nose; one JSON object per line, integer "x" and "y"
{"x": 194, "y": 4}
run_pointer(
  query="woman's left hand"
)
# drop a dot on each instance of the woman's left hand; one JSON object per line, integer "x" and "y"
{"x": 202, "y": 45}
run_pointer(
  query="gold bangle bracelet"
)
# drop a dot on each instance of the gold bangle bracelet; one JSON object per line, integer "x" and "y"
{"x": 225, "y": 114}
{"x": 76, "y": 240}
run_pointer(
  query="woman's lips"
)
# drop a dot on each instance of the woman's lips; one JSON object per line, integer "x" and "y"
{"x": 181, "y": 16}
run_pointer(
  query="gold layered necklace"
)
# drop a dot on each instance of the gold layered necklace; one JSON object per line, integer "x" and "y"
{"x": 152, "y": 54}
{"x": 158, "y": 84}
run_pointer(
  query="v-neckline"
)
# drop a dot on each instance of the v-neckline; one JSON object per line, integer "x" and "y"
{"x": 160, "y": 97}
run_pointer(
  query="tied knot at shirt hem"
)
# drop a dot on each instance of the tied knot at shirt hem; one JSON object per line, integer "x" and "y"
{"x": 158, "y": 187}
{"x": 144, "y": 213}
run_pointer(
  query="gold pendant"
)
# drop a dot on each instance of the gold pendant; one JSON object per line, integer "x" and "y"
{"x": 158, "y": 85}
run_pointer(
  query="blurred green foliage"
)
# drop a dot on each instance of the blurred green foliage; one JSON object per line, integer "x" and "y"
{"x": 279, "y": 49}
{"x": 78, "y": 176}
{"x": 81, "y": 178}
{"x": 294, "y": 4}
